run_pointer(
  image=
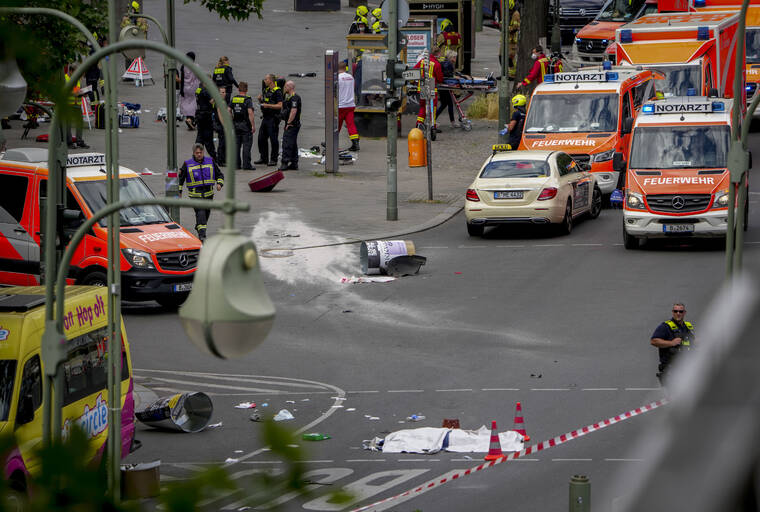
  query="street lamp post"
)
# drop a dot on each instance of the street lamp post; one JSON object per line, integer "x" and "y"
{"x": 738, "y": 157}
{"x": 53, "y": 338}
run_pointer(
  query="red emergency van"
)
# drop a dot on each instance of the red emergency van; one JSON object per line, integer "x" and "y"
{"x": 158, "y": 256}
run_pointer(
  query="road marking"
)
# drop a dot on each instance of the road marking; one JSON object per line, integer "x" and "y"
{"x": 624, "y": 460}
{"x": 500, "y": 389}
{"x": 472, "y": 247}
{"x": 365, "y": 460}
{"x": 599, "y": 389}
{"x": 262, "y": 462}
{"x": 435, "y": 247}
{"x": 642, "y": 389}
{"x": 252, "y": 379}
{"x": 418, "y": 460}
{"x": 366, "y": 487}
{"x": 357, "y": 392}
{"x": 451, "y": 390}
{"x": 548, "y": 245}
{"x": 405, "y": 391}
{"x": 572, "y": 460}
{"x": 550, "y": 389}
{"x": 224, "y": 386}
{"x": 318, "y": 461}
{"x": 587, "y": 245}
{"x": 509, "y": 246}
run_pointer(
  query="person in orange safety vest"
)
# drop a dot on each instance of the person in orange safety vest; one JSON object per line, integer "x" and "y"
{"x": 433, "y": 70}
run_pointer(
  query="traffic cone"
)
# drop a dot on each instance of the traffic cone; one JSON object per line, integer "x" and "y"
{"x": 494, "y": 449}
{"x": 520, "y": 423}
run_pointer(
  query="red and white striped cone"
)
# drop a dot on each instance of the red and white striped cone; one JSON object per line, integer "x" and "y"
{"x": 494, "y": 449}
{"x": 520, "y": 423}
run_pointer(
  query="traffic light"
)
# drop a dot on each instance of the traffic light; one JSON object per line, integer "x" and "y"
{"x": 393, "y": 75}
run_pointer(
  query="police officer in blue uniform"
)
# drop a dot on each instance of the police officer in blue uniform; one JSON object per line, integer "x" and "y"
{"x": 204, "y": 120}
{"x": 202, "y": 175}
{"x": 671, "y": 338}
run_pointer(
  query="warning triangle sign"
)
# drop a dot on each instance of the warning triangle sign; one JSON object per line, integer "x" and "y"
{"x": 137, "y": 70}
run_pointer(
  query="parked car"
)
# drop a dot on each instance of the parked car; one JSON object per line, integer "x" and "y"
{"x": 574, "y": 14}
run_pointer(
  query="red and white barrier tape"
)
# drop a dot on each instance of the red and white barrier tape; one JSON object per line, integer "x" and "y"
{"x": 561, "y": 439}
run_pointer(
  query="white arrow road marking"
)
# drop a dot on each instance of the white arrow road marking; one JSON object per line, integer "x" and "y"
{"x": 364, "y": 488}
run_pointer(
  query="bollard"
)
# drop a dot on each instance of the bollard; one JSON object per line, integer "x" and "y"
{"x": 580, "y": 494}
{"x": 417, "y": 148}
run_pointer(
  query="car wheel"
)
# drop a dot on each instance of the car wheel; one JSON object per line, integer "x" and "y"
{"x": 173, "y": 301}
{"x": 475, "y": 229}
{"x": 567, "y": 222}
{"x": 95, "y": 278}
{"x": 630, "y": 241}
{"x": 596, "y": 204}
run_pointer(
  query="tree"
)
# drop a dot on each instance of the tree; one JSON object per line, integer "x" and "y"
{"x": 533, "y": 16}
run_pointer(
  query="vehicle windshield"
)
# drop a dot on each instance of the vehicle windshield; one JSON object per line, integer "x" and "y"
{"x": 679, "y": 79}
{"x": 621, "y": 10}
{"x": 572, "y": 113}
{"x": 680, "y": 147}
{"x": 753, "y": 46}
{"x": 94, "y": 194}
{"x": 516, "y": 169}
{"x": 7, "y": 374}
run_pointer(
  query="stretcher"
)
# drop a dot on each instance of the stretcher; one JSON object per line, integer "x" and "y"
{"x": 462, "y": 88}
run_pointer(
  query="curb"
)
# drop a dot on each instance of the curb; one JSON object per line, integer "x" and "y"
{"x": 143, "y": 396}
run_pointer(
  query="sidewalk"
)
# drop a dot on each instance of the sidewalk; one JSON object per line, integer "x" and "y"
{"x": 348, "y": 205}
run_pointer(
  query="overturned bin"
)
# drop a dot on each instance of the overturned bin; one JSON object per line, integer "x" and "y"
{"x": 377, "y": 254}
{"x": 140, "y": 481}
{"x": 183, "y": 412}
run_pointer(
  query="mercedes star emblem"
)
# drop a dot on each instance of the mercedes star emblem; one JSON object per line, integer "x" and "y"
{"x": 678, "y": 202}
{"x": 590, "y": 45}
{"x": 582, "y": 12}
{"x": 183, "y": 261}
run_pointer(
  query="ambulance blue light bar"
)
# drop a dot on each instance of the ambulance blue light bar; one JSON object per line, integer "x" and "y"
{"x": 699, "y": 3}
{"x": 648, "y": 109}
{"x": 703, "y": 33}
{"x": 595, "y": 76}
{"x": 626, "y": 36}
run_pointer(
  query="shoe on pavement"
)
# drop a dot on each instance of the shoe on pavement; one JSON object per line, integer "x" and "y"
{"x": 456, "y": 124}
{"x": 260, "y": 161}
{"x": 437, "y": 130}
{"x": 354, "y": 146}
{"x": 251, "y": 168}
{"x": 272, "y": 163}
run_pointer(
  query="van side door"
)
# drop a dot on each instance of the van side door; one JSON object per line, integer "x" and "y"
{"x": 17, "y": 246}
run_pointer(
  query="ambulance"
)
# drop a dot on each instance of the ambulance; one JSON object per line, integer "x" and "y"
{"x": 677, "y": 180}
{"x": 584, "y": 113}
{"x": 691, "y": 50}
{"x": 158, "y": 256}
{"x": 85, "y": 376}
{"x": 752, "y": 37}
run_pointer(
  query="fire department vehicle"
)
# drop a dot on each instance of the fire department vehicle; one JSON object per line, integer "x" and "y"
{"x": 158, "y": 256}
{"x": 584, "y": 114}
{"x": 677, "y": 180}
{"x": 692, "y": 50}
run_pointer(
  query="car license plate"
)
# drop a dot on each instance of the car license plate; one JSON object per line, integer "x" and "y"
{"x": 183, "y": 287}
{"x": 678, "y": 228}
{"x": 508, "y": 194}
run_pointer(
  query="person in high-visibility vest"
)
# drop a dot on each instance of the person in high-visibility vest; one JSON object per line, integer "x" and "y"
{"x": 75, "y": 102}
{"x": 540, "y": 67}
{"x": 433, "y": 71}
{"x": 671, "y": 338}
{"x": 449, "y": 39}
{"x": 200, "y": 175}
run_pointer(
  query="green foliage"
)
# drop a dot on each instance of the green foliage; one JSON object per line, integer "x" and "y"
{"x": 238, "y": 10}
{"x": 68, "y": 482}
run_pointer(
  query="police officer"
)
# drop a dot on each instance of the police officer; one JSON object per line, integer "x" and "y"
{"x": 223, "y": 75}
{"x": 204, "y": 120}
{"x": 201, "y": 175}
{"x": 270, "y": 102}
{"x": 245, "y": 126}
{"x": 672, "y": 337}
{"x": 517, "y": 121}
{"x": 291, "y": 115}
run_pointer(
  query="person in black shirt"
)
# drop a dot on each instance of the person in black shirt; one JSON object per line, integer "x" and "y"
{"x": 242, "y": 115}
{"x": 271, "y": 105}
{"x": 517, "y": 121}
{"x": 221, "y": 147}
{"x": 222, "y": 75}
{"x": 204, "y": 119}
{"x": 671, "y": 338}
{"x": 291, "y": 115}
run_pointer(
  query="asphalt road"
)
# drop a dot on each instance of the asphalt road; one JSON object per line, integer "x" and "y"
{"x": 560, "y": 324}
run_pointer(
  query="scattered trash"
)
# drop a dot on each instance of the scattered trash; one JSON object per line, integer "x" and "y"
{"x": 238, "y": 451}
{"x": 347, "y": 311}
{"x": 290, "y": 401}
{"x": 450, "y": 423}
{"x": 184, "y": 412}
{"x": 306, "y": 153}
{"x": 536, "y": 375}
{"x": 230, "y": 460}
{"x": 415, "y": 417}
{"x": 246, "y": 405}
{"x": 305, "y": 399}
{"x": 241, "y": 508}
{"x": 315, "y": 436}
{"x": 292, "y": 446}
{"x": 467, "y": 457}
{"x": 337, "y": 397}
{"x": 458, "y": 273}
{"x": 351, "y": 409}
{"x": 214, "y": 425}
{"x": 366, "y": 279}
{"x": 401, "y": 266}
{"x": 284, "y": 235}
{"x": 371, "y": 418}
{"x": 255, "y": 417}
{"x": 283, "y": 415}
{"x": 265, "y": 404}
